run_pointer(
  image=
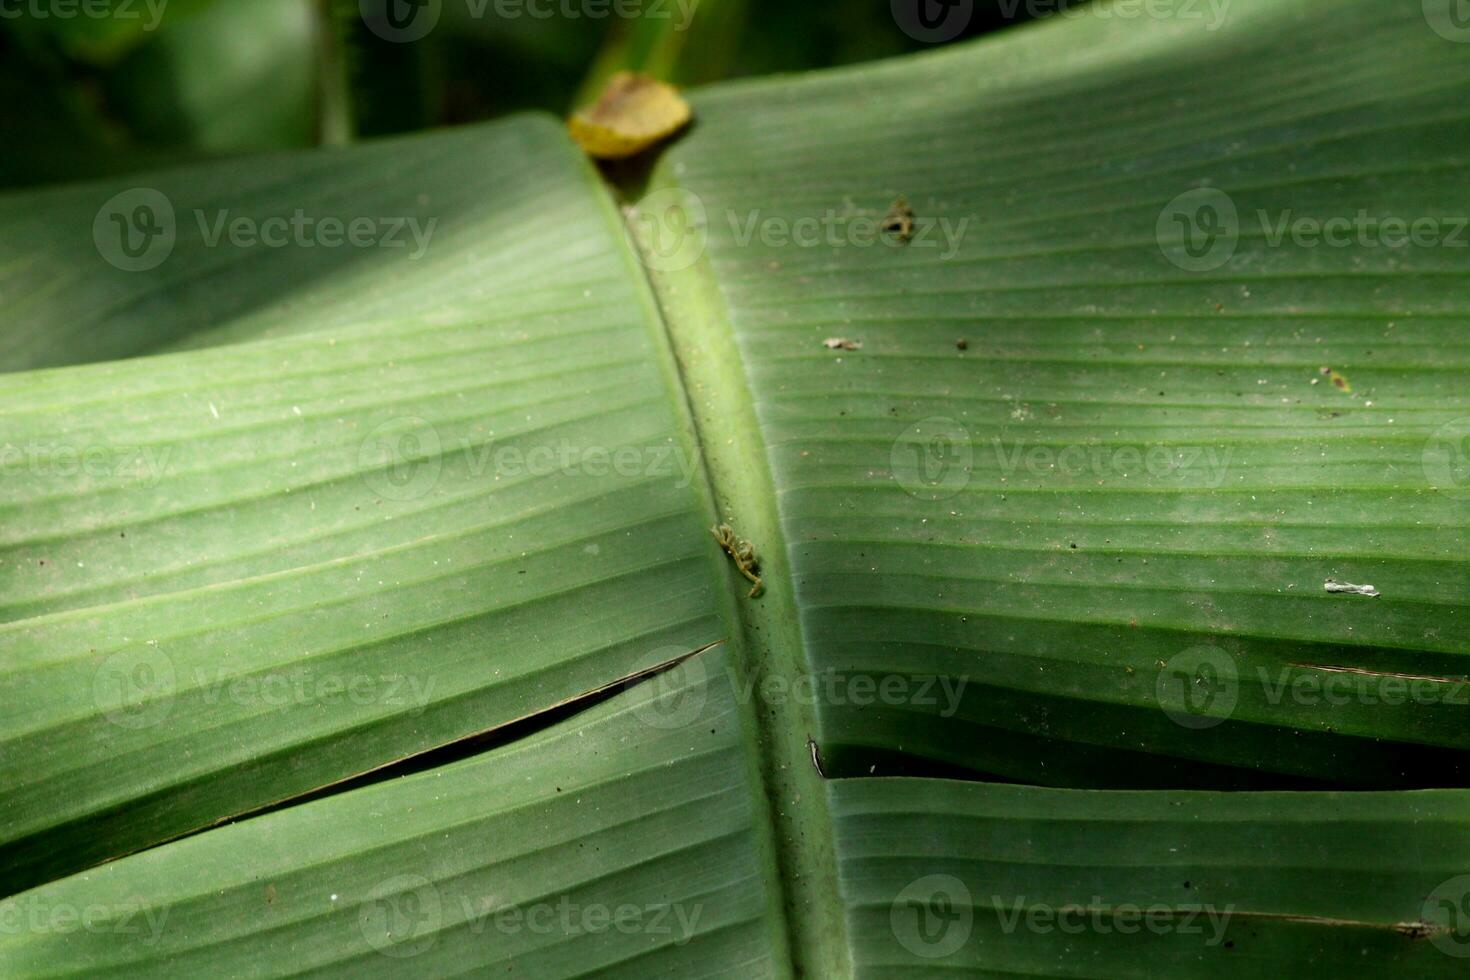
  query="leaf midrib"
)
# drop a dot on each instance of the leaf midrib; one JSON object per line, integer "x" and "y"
{"x": 705, "y": 370}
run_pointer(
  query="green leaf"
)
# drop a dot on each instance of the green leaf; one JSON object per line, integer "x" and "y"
{"x": 624, "y": 837}
{"x": 237, "y": 575}
{"x": 1068, "y": 468}
{"x": 490, "y": 221}
{"x": 942, "y": 876}
{"x": 1039, "y": 487}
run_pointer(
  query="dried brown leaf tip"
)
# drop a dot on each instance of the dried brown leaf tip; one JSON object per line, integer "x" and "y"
{"x": 741, "y": 553}
{"x": 899, "y": 222}
{"x": 633, "y": 113}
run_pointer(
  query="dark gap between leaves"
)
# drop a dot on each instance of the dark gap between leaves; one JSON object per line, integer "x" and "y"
{"x": 465, "y": 747}
{"x": 478, "y": 743}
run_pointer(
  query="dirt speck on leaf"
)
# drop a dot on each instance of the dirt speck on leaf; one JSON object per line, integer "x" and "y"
{"x": 899, "y": 222}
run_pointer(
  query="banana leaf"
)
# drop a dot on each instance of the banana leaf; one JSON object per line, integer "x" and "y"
{"x": 1069, "y": 407}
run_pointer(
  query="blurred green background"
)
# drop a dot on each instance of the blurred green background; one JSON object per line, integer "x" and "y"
{"x": 97, "y": 87}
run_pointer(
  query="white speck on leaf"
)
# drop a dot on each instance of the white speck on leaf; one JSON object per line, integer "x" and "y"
{"x": 1347, "y": 588}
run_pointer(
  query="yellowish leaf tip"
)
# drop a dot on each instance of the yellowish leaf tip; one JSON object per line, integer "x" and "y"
{"x": 633, "y": 113}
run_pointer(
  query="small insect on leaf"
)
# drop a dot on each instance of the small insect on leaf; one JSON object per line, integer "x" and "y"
{"x": 742, "y": 553}
{"x": 842, "y": 343}
{"x": 1338, "y": 381}
{"x": 900, "y": 220}
{"x": 633, "y": 113}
